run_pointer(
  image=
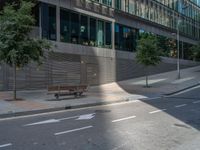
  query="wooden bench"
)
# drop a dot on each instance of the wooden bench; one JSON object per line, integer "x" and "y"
{"x": 65, "y": 90}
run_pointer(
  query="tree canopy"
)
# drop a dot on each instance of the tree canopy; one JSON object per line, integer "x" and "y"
{"x": 16, "y": 46}
{"x": 147, "y": 51}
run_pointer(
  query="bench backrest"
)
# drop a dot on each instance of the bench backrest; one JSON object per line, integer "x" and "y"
{"x": 66, "y": 87}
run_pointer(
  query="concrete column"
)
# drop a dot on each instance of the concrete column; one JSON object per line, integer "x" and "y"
{"x": 113, "y": 35}
{"x": 113, "y": 3}
{"x": 58, "y": 23}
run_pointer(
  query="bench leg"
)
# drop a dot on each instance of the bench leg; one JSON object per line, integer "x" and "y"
{"x": 75, "y": 94}
{"x": 80, "y": 93}
{"x": 57, "y": 96}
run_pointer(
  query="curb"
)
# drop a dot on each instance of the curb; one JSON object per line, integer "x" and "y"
{"x": 184, "y": 89}
{"x": 34, "y": 112}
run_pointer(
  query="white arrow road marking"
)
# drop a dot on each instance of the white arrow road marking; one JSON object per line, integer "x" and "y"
{"x": 122, "y": 119}
{"x": 81, "y": 117}
{"x": 67, "y": 118}
{"x": 50, "y": 121}
{"x": 156, "y": 111}
{"x": 5, "y": 145}
{"x": 86, "y": 117}
{"x": 43, "y": 122}
{"x": 73, "y": 130}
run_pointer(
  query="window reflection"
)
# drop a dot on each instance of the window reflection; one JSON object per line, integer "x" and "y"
{"x": 81, "y": 29}
{"x": 125, "y": 37}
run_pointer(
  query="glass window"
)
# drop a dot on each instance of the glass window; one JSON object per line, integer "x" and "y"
{"x": 64, "y": 26}
{"x": 93, "y": 31}
{"x": 108, "y": 34}
{"x": 117, "y": 36}
{"x": 52, "y": 23}
{"x": 118, "y": 4}
{"x": 100, "y": 33}
{"x": 125, "y": 38}
{"x": 121, "y": 38}
{"x": 36, "y": 14}
{"x": 107, "y": 2}
{"x": 84, "y": 30}
{"x": 74, "y": 28}
{"x": 81, "y": 29}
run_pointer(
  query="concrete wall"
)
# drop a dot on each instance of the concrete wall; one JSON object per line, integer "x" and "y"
{"x": 77, "y": 64}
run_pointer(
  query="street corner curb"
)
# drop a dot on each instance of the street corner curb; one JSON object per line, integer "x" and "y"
{"x": 31, "y": 112}
{"x": 184, "y": 89}
{"x": 67, "y": 107}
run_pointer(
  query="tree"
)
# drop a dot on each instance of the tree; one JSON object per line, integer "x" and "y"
{"x": 147, "y": 52}
{"x": 163, "y": 45}
{"x": 17, "y": 48}
{"x": 195, "y": 49}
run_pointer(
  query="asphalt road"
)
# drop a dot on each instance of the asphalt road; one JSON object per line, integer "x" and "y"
{"x": 170, "y": 123}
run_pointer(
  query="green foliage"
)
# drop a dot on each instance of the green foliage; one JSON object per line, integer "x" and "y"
{"x": 16, "y": 46}
{"x": 164, "y": 46}
{"x": 147, "y": 51}
{"x": 195, "y": 49}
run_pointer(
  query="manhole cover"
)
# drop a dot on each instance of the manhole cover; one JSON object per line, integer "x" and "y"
{"x": 102, "y": 111}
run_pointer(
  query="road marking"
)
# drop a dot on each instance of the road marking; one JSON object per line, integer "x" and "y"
{"x": 81, "y": 117}
{"x": 73, "y": 130}
{"x": 122, "y": 119}
{"x": 156, "y": 111}
{"x": 67, "y": 118}
{"x": 195, "y": 102}
{"x": 86, "y": 117}
{"x": 50, "y": 121}
{"x": 182, "y": 105}
{"x": 5, "y": 145}
{"x": 43, "y": 122}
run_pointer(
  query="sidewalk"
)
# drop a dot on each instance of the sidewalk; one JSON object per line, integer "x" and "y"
{"x": 133, "y": 89}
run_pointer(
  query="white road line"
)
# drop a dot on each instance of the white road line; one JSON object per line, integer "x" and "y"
{"x": 182, "y": 105}
{"x": 73, "y": 130}
{"x": 5, "y": 145}
{"x": 122, "y": 119}
{"x": 156, "y": 111}
{"x": 196, "y": 102}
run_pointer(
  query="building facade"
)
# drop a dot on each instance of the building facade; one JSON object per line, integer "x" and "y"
{"x": 94, "y": 40}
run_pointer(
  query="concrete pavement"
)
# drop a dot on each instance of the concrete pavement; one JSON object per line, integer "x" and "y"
{"x": 36, "y": 101}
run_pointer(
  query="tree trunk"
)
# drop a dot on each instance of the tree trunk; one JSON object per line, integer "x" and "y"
{"x": 147, "y": 75}
{"x": 147, "y": 84}
{"x": 14, "y": 83}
